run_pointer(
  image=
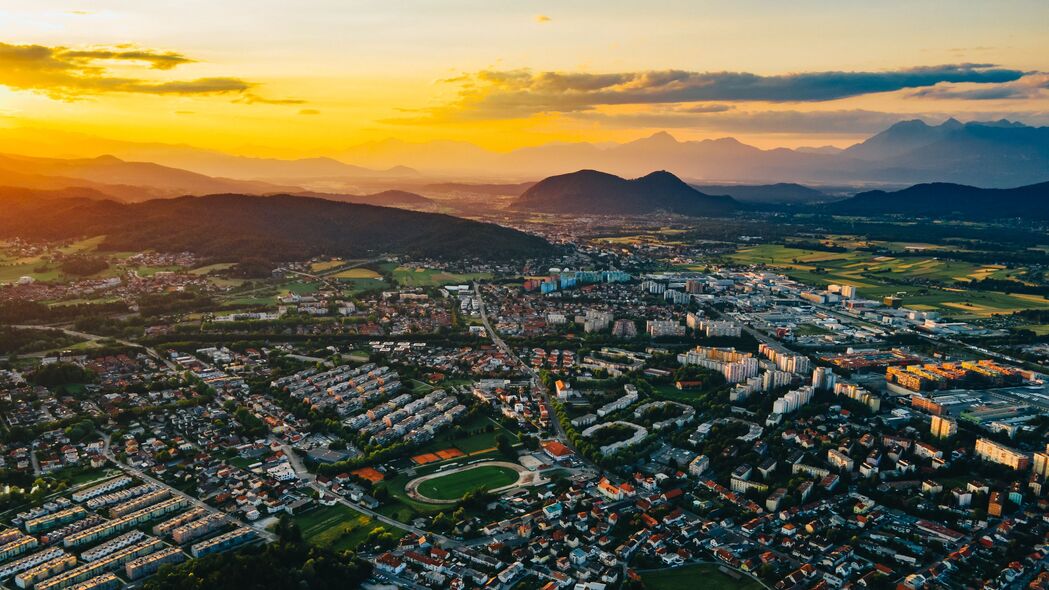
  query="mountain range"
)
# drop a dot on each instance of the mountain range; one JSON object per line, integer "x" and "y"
{"x": 989, "y": 154}
{"x": 275, "y": 228}
{"x": 993, "y": 154}
{"x": 593, "y": 192}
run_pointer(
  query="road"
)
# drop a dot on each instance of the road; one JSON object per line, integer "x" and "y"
{"x": 537, "y": 384}
{"x": 95, "y": 337}
{"x": 108, "y": 453}
{"x": 311, "y": 480}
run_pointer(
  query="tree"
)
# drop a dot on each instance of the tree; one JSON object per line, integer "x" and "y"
{"x": 505, "y": 447}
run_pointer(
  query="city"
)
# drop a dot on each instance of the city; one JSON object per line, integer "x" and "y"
{"x": 524, "y": 295}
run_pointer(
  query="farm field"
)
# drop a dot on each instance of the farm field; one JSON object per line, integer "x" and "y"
{"x": 357, "y": 273}
{"x": 689, "y": 576}
{"x": 454, "y": 485}
{"x": 879, "y": 276}
{"x": 427, "y": 277}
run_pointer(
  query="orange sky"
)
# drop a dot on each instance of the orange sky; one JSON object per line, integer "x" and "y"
{"x": 309, "y": 78}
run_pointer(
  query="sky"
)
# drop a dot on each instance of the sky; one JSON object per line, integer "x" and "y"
{"x": 313, "y": 77}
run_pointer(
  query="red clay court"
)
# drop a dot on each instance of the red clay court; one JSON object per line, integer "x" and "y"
{"x": 369, "y": 473}
{"x": 442, "y": 455}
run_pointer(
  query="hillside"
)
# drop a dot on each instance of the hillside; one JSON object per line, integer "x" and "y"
{"x": 943, "y": 199}
{"x": 127, "y": 181}
{"x": 390, "y": 198}
{"x": 598, "y": 193}
{"x": 276, "y": 228}
{"x": 783, "y": 192}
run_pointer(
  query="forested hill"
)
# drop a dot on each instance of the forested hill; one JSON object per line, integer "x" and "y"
{"x": 277, "y": 228}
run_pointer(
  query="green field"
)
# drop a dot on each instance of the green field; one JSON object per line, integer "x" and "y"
{"x": 427, "y": 277}
{"x": 337, "y": 527}
{"x": 454, "y": 485}
{"x": 878, "y": 276}
{"x": 706, "y": 576}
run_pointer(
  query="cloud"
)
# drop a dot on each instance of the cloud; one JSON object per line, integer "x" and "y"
{"x": 250, "y": 98}
{"x": 851, "y": 121}
{"x": 838, "y": 122}
{"x": 542, "y": 18}
{"x": 309, "y": 112}
{"x": 503, "y": 94}
{"x": 68, "y": 74}
{"x": 1028, "y": 87}
{"x": 158, "y": 61}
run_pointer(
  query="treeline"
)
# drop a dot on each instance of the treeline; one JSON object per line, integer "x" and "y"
{"x": 25, "y": 340}
{"x": 1006, "y": 286}
{"x": 20, "y": 311}
{"x": 158, "y": 304}
{"x": 83, "y": 266}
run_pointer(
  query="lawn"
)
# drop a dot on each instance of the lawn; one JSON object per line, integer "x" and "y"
{"x": 706, "y": 576}
{"x": 455, "y": 485}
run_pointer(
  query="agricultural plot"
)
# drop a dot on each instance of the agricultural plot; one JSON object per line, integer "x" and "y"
{"x": 879, "y": 276}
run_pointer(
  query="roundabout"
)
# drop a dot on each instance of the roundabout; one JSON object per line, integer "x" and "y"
{"x": 448, "y": 487}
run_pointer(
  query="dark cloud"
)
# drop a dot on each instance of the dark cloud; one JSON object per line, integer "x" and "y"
{"x": 69, "y": 74}
{"x": 521, "y": 93}
{"x": 852, "y": 121}
{"x": 839, "y": 122}
{"x": 158, "y": 61}
{"x": 1030, "y": 86}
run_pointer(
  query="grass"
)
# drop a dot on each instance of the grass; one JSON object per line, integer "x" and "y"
{"x": 427, "y": 277}
{"x": 337, "y": 527}
{"x": 318, "y": 267}
{"x": 355, "y": 286}
{"x": 706, "y": 576}
{"x": 357, "y": 273}
{"x": 455, "y": 485}
{"x": 206, "y": 270}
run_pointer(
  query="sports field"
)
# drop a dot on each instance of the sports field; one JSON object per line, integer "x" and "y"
{"x": 706, "y": 576}
{"x": 455, "y": 485}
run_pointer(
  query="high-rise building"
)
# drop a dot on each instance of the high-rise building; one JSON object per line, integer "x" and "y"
{"x": 989, "y": 450}
{"x": 943, "y": 427}
{"x": 823, "y": 379}
{"x": 1040, "y": 465}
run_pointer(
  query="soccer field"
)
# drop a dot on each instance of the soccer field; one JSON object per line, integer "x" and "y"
{"x": 706, "y": 576}
{"x": 455, "y": 485}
